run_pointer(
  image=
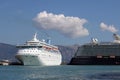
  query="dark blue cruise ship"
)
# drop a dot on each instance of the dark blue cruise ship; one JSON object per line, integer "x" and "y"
{"x": 98, "y": 53}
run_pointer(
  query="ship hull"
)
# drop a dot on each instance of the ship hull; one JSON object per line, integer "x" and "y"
{"x": 94, "y": 60}
{"x": 28, "y": 60}
{"x": 40, "y": 60}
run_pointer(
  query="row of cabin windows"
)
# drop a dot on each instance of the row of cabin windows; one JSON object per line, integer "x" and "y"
{"x": 30, "y": 51}
{"x": 34, "y": 47}
{"x": 50, "y": 50}
{"x": 101, "y": 46}
{"x": 29, "y": 47}
{"x": 96, "y": 51}
{"x": 34, "y": 50}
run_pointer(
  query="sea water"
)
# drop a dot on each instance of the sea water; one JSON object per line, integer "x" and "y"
{"x": 63, "y": 72}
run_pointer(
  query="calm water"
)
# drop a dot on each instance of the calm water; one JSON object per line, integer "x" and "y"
{"x": 63, "y": 72}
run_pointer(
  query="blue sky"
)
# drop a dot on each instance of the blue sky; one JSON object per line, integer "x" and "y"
{"x": 17, "y": 23}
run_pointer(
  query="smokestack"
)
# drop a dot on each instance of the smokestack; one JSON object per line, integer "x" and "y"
{"x": 94, "y": 40}
{"x": 48, "y": 41}
{"x": 116, "y": 36}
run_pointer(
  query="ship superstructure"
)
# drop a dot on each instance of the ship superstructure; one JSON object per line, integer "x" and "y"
{"x": 36, "y": 52}
{"x": 98, "y": 53}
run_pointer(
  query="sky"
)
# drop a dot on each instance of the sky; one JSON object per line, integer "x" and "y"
{"x": 66, "y": 22}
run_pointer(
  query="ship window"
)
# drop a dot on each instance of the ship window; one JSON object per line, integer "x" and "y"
{"x": 112, "y": 56}
{"x": 99, "y": 56}
{"x": 29, "y": 46}
{"x": 39, "y": 46}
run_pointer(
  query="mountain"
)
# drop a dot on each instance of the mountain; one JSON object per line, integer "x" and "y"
{"x": 8, "y": 52}
{"x": 67, "y": 52}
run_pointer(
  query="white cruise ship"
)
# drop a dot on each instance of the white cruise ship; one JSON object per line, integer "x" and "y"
{"x": 36, "y": 52}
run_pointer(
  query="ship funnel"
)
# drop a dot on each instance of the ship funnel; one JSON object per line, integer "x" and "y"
{"x": 35, "y": 37}
{"x": 117, "y": 38}
{"x": 94, "y": 40}
{"x": 48, "y": 41}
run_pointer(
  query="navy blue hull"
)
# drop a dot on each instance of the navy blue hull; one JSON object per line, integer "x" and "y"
{"x": 94, "y": 60}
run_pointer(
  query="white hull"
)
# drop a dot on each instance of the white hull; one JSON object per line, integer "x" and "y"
{"x": 43, "y": 59}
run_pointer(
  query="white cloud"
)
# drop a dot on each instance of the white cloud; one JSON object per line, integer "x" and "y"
{"x": 110, "y": 28}
{"x": 69, "y": 26}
